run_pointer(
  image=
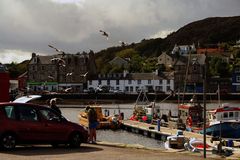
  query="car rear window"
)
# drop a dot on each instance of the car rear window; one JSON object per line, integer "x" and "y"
{"x": 10, "y": 112}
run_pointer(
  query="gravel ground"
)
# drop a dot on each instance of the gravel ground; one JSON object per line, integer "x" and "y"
{"x": 96, "y": 152}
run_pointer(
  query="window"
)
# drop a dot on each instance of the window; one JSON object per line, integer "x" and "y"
{"x": 237, "y": 69}
{"x": 231, "y": 114}
{"x": 10, "y": 112}
{"x": 117, "y": 82}
{"x": 149, "y": 81}
{"x": 168, "y": 81}
{"x": 139, "y": 81}
{"x": 160, "y": 81}
{"x": 137, "y": 89}
{"x": 27, "y": 113}
{"x": 49, "y": 115}
{"x": 236, "y": 114}
{"x": 131, "y": 89}
{"x": 90, "y": 82}
{"x": 108, "y": 82}
{"x": 99, "y": 82}
{"x": 225, "y": 115}
{"x": 129, "y": 81}
{"x": 237, "y": 78}
{"x": 168, "y": 88}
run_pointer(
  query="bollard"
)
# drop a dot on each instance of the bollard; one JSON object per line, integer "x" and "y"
{"x": 158, "y": 124}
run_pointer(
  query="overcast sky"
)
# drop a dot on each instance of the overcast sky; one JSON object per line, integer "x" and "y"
{"x": 73, "y": 26}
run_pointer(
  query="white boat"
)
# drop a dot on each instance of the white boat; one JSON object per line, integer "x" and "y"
{"x": 196, "y": 145}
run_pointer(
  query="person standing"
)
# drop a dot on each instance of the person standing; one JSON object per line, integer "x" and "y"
{"x": 54, "y": 106}
{"x": 92, "y": 124}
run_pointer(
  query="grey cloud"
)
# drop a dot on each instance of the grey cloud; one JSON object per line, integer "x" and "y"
{"x": 31, "y": 25}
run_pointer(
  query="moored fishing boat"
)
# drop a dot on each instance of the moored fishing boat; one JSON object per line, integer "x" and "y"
{"x": 105, "y": 122}
{"x": 189, "y": 116}
{"x": 224, "y": 122}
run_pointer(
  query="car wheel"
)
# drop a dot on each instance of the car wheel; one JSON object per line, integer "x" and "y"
{"x": 8, "y": 141}
{"x": 75, "y": 140}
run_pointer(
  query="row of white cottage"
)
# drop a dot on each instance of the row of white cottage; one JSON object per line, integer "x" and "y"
{"x": 133, "y": 82}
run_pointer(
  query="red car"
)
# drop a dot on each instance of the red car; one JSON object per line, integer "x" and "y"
{"x": 25, "y": 123}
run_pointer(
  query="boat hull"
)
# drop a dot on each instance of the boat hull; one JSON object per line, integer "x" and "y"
{"x": 229, "y": 130}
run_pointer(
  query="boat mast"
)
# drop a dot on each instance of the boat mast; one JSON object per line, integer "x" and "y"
{"x": 186, "y": 75}
{"x": 204, "y": 105}
{"x": 219, "y": 103}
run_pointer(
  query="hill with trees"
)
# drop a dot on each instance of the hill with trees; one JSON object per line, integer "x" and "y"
{"x": 213, "y": 30}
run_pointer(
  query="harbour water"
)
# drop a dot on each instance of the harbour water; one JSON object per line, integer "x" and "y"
{"x": 121, "y": 136}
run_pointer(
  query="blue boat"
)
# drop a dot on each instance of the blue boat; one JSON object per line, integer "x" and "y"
{"x": 224, "y": 122}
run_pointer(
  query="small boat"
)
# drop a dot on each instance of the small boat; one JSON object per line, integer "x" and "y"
{"x": 105, "y": 122}
{"x": 176, "y": 141}
{"x": 196, "y": 145}
{"x": 224, "y": 122}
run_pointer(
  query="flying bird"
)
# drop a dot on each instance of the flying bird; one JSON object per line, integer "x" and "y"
{"x": 51, "y": 77}
{"x": 60, "y": 51}
{"x": 84, "y": 75}
{"x": 69, "y": 74}
{"x": 123, "y": 43}
{"x": 60, "y": 61}
{"x": 68, "y": 89}
{"x": 104, "y": 33}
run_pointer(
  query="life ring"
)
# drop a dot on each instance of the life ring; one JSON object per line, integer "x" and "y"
{"x": 189, "y": 121}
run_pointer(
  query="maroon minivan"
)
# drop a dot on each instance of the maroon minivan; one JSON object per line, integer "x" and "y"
{"x": 25, "y": 123}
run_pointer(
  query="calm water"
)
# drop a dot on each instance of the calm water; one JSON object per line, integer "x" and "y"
{"x": 121, "y": 136}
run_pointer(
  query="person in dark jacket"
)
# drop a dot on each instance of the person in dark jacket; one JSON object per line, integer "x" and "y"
{"x": 54, "y": 106}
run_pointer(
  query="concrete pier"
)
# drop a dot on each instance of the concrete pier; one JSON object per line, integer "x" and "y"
{"x": 151, "y": 131}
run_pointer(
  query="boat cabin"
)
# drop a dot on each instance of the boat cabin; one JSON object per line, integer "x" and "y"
{"x": 225, "y": 113}
{"x": 191, "y": 114}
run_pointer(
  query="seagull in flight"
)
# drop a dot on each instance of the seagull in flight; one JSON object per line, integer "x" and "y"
{"x": 51, "y": 77}
{"x": 84, "y": 75}
{"x": 123, "y": 43}
{"x": 59, "y": 51}
{"x": 60, "y": 61}
{"x": 68, "y": 89}
{"x": 104, "y": 33}
{"x": 69, "y": 74}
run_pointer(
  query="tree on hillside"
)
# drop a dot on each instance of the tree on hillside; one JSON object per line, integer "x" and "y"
{"x": 218, "y": 67}
{"x": 127, "y": 53}
{"x": 136, "y": 64}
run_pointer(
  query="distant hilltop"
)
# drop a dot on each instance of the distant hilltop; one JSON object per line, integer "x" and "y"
{"x": 207, "y": 31}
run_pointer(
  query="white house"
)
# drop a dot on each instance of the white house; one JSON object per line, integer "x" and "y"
{"x": 132, "y": 82}
{"x": 183, "y": 49}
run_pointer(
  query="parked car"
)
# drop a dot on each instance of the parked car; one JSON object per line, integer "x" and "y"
{"x": 24, "y": 123}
